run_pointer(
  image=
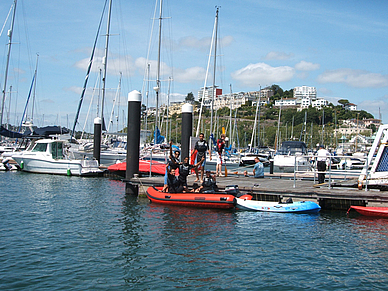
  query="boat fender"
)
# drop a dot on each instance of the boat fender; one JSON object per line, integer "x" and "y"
{"x": 359, "y": 185}
{"x": 68, "y": 172}
{"x": 21, "y": 165}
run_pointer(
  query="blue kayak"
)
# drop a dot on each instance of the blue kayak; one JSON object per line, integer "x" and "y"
{"x": 292, "y": 207}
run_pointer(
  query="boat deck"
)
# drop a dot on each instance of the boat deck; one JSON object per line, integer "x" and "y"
{"x": 282, "y": 185}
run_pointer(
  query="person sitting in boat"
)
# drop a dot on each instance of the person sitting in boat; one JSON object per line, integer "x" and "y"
{"x": 173, "y": 183}
{"x": 258, "y": 169}
{"x": 208, "y": 184}
{"x": 201, "y": 146}
{"x": 173, "y": 163}
{"x": 184, "y": 171}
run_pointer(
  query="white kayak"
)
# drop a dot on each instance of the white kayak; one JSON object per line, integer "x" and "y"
{"x": 284, "y": 207}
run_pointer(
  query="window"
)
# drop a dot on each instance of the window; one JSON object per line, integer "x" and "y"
{"x": 56, "y": 150}
{"x": 40, "y": 147}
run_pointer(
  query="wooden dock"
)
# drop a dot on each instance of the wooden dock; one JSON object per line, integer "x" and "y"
{"x": 281, "y": 186}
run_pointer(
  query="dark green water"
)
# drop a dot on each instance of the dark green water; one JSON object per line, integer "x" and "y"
{"x": 71, "y": 233}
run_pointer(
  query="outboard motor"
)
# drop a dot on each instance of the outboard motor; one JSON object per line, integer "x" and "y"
{"x": 232, "y": 189}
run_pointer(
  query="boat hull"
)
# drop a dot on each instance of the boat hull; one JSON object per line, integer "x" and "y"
{"x": 371, "y": 211}
{"x": 295, "y": 207}
{"x": 286, "y": 164}
{"x": 56, "y": 167}
{"x": 200, "y": 200}
{"x": 144, "y": 167}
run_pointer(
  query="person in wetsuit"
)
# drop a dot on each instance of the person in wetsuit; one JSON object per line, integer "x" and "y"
{"x": 201, "y": 146}
{"x": 184, "y": 171}
{"x": 208, "y": 184}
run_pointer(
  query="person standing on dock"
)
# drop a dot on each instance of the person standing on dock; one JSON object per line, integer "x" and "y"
{"x": 258, "y": 169}
{"x": 322, "y": 156}
{"x": 201, "y": 146}
{"x": 220, "y": 148}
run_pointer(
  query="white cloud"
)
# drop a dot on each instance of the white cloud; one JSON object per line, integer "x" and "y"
{"x": 180, "y": 75}
{"x": 307, "y": 66}
{"x": 189, "y": 75}
{"x": 278, "y": 56}
{"x": 354, "y": 78}
{"x": 373, "y": 106}
{"x": 116, "y": 64}
{"x": 261, "y": 73}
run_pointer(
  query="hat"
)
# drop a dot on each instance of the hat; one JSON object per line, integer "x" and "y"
{"x": 207, "y": 171}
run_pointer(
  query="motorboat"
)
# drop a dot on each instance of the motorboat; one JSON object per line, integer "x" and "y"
{"x": 51, "y": 156}
{"x": 221, "y": 200}
{"x": 283, "y": 207}
{"x": 290, "y": 157}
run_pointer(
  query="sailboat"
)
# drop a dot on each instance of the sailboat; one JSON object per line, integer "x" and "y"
{"x": 230, "y": 162}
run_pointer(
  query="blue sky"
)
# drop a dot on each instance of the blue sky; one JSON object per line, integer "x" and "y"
{"x": 339, "y": 47}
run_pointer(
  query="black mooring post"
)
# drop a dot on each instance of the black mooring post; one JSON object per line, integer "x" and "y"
{"x": 97, "y": 139}
{"x": 187, "y": 127}
{"x": 133, "y": 134}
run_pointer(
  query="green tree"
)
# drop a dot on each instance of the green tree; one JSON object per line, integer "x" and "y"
{"x": 190, "y": 97}
{"x": 343, "y": 101}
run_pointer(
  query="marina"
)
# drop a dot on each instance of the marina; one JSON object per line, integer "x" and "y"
{"x": 245, "y": 186}
{"x": 61, "y": 233}
{"x": 282, "y": 186}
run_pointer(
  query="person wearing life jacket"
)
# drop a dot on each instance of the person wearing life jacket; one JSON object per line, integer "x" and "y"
{"x": 173, "y": 163}
{"x": 220, "y": 148}
{"x": 184, "y": 171}
{"x": 201, "y": 146}
{"x": 173, "y": 183}
{"x": 208, "y": 184}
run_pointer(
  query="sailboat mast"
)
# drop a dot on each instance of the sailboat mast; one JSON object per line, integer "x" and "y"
{"x": 87, "y": 75}
{"x": 147, "y": 93}
{"x": 157, "y": 87}
{"x": 10, "y": 32}
{"x": 33, "y": 97}
{"x": 214, "y": 71}
{"x": 105, "y": 63}
{"x": 258, "y": 121}
{"x": 230, "y": 115}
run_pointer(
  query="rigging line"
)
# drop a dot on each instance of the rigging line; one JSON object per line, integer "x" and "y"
{"x": 10, "y": 33}
{"x": 149, "y": 46}
{"x": 87, "y": 73}
{"x": 204, "y": 85}
{"x": 90, "y": 106}
{"x": 6, "y": 20}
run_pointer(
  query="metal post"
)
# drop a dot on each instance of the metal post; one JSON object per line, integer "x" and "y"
{"x": 133, "y": 133}
{"x": 97, "y": 139}
{"x": 187, "y": 127}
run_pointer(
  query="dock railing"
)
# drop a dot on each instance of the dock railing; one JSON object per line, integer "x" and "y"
{"x": 340, "y": 170}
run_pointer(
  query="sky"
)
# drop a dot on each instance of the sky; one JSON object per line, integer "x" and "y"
{"x": 339, "y": 47}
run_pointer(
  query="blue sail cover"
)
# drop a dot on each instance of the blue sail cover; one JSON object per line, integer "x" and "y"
{"x": 159, "y": 137}
{"x": 40, "y": 131}
{"x": 8, "y": 133}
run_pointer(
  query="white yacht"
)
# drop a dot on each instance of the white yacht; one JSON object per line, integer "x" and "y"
{"x": 51, "y": 156}
{"x": 290, "y": 157}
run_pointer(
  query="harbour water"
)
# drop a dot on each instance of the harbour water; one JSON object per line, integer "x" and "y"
{"x": 72, "y": 233}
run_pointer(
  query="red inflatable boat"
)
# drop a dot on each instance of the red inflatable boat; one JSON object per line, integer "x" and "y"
{"x": 371, "y": 211}
{"x": 203, "y": 200}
